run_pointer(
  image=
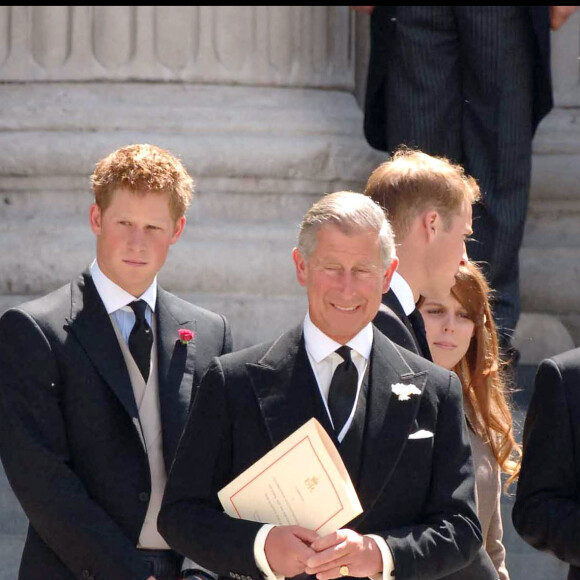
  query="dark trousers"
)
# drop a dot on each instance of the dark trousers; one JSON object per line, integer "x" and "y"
{"x": 460, "y": 85}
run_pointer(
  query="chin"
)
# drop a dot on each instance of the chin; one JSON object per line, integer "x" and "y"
{"x": 443, "y": 361}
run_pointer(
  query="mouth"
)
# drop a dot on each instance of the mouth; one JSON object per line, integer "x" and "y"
{"x": 346, "y": 309}
{"x": 445, "y": 345}
{"x": 135, "y": 263}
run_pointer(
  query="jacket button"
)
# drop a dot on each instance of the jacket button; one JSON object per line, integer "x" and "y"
{"x": 144, "y": 496}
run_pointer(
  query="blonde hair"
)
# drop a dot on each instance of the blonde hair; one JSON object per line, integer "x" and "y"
{"x": 412, "y": 182}
{"x": 143, "y": 169}
{"x": 481, "y": 375}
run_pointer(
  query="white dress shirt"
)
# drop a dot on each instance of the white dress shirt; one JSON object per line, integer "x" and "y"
{"x": 324, "y": 360}
{"x": 403, "y": 293}
{"x": 117, "y": 300}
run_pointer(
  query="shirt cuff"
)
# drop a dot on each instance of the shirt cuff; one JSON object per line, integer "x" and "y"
{"x": 388, "y": 562}
{"x": 260, "y": 553}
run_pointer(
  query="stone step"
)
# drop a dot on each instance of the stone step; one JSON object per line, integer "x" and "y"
{"x": 229, "y": 257}
{"x": 180, "y": 109}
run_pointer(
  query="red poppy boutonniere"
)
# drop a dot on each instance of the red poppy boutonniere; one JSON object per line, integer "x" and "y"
{"x": 185, "y": 335}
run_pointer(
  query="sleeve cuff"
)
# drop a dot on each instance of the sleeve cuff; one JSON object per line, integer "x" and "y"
{"x": 260, "y": 553}
{"x": 388, "y": 562}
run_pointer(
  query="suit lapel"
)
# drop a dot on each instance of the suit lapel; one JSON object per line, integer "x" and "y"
{"x": 286, "y": 388}
{"x": 389, "y": 420}
{"x": 176, "y": 362}
{"x": 91, "y": 326}
{"x": 390, "y": 299}
{"x": 351, "y": 446}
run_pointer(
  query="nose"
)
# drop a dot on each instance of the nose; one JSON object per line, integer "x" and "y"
{"x": 136, "y": 238}
{"x": 449, "y": 323}
{"x": 464, "y": 258}
{"x": 347, "y": 284}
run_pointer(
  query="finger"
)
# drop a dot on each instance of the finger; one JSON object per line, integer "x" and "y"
{"x": 332, "y": 554}
{"x": 305, "y": 534}
{"x": 324, "y": 542}
{"x": 301, "y": 551}
{"x": 326, "y": 567}
{"x": 332, "y": 573}
{"x": 303, "y": 554}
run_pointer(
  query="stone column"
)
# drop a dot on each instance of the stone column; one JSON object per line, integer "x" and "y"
{"x": 549, "y": 260}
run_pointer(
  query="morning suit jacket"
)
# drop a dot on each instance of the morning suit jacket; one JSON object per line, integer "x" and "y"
{"x": 546, "y": 512}
{"x": 383, "y": 21}
{"x": 403, "y": 333}
{"x": 68, "y": 436}
{"x": 418, "y": 494}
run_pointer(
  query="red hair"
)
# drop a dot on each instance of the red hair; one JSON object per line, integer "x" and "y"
{"x": 480, "y": 372}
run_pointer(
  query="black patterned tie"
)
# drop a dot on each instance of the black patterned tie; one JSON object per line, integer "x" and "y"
{"x": 419, "y": 329}
{"x": 141, "y": 338}
{"x": 342, "y": 392}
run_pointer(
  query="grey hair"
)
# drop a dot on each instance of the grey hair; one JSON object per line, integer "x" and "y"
{"x": 352, "y": 213}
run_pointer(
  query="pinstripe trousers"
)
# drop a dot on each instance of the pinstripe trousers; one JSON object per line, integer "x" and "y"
{"x": 461, "y": 86}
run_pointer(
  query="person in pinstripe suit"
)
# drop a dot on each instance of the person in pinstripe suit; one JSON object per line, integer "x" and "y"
{"x": 470, "y": 83}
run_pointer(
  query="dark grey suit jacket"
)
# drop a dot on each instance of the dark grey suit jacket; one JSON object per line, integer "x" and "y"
{"x": 418, "y": 494}
{"x": 547, "y": 509}
{"x": 68, "y": 439}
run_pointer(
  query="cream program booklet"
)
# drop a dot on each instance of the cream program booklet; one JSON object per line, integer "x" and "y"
{"x": 302, "y": 481}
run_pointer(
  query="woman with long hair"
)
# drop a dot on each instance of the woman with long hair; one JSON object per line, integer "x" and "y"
{"x": 462, "y": 337}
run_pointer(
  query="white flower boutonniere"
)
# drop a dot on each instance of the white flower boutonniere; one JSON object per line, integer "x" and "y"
{"x": 404, "y": 392}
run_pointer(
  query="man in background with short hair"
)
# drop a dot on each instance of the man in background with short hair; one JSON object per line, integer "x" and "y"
{"x": 428, "y": 202}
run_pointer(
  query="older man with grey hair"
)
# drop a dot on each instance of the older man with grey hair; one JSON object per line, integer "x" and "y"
{"x": 408, "y": 457}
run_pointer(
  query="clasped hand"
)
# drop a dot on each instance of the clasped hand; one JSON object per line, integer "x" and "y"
{"x": 292, "y": 550}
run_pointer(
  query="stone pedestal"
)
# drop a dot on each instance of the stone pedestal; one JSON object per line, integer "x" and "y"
{"x": 257, "y": 101}
{"x": 549, "y": 260}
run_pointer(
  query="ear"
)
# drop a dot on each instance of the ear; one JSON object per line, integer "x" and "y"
{"x": 95, "y": 218}
{"x": 301, "y": 270}
{"x": 178, "y": 230}
{"x": 389, "y": 274}
{"x": 431, "y": 223}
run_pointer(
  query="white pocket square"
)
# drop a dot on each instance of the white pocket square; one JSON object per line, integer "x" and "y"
{"x": 421, "y": 434}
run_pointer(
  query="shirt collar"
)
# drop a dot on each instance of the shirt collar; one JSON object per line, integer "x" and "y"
{"x": 319, "y": 345}
{"x": 114, "y": 297}
{"x": 403, "y": 292}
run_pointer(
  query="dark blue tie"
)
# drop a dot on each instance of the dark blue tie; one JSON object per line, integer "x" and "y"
{"x": 141, "y": 338}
